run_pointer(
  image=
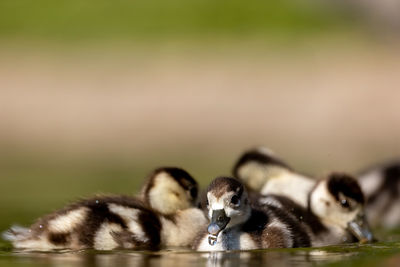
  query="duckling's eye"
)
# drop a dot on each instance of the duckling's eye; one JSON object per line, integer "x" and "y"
{"x": 193, "y": 192}
{"x": 235, "y": 200}
{"x": 344, "y": 203}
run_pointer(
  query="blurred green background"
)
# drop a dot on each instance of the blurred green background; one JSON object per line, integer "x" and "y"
{"x": 95, "y": 94}
{"x": 164, "y": 20}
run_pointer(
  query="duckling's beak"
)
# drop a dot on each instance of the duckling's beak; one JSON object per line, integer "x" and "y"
{"x": 360, "y": 229}
{"x": 219, "y": 220}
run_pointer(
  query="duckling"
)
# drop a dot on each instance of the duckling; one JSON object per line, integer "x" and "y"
{"x": 173, "y": 193}
{"x": 262, "y": 171}
{"x": 335, "y": 211}
{"x": 169, "y": 189}
{"x": 236, "y": 225}
{"x": 381, "y": 186}
{"x": 109, "y": 222}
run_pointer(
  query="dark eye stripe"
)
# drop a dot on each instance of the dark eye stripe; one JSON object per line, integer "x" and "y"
{"x": 193, "y": 192}
{"x": 235, "y": 200}
{"x": 340, "y": 183}
{"x": 179, "y": 175}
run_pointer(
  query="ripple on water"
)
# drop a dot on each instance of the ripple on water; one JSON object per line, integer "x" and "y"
{"x": 355, "y": 254}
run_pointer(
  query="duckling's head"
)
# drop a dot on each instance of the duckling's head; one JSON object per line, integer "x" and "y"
{"x": 338, "y": 200}
{"x": 381, "y": 182}
{"x": 227, "y": 204}
{"x": 169, "y": 189}
{"x": 256, "y": 166}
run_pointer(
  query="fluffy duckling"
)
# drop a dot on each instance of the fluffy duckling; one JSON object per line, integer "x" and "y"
{"x": 236, "y": 225}
{"x": 334, "y": 213}
{"x": 381, "y": 186}
{"x": 262, "y": 171}
{"x": 173, "y": 193}
{"x": 109, "y": 222}
{"x": 169, "y": 189}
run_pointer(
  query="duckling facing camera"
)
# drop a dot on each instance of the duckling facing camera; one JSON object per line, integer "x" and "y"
{"x": 381, "y": 186}
{"x": 237, "y": 225}
{"x": 109, "y": 222}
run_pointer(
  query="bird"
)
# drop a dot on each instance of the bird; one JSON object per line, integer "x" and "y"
{"x": 335, "y": 211}
{"x": 235, "y": 224}
{"x": 381, "y": 186}
{"x": 262, "y": 171}
{"x": 266, "y": 174}
{"x": 168, "y": 189}
{"x": 163, "y": 216}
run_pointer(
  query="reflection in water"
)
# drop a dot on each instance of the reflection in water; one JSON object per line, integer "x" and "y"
{"x": 233, "y": 259}
{"x": 273, "y": 258}
{"x": 177, "y": 258}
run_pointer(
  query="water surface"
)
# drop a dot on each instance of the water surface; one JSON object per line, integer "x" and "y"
{"x": 378, "y": 254}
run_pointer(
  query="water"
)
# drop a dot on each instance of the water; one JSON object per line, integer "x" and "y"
{"x": 42, "y": 193}
{"x": 378, "y": 254}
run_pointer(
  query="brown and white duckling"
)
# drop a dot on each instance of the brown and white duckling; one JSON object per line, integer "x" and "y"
{"x": 173, "y": 193}
{"x": 108, "y": 222}
{"x": 334, "y": 213}
{"x": 263, "y": 172}
{"x": 381, "y": 186}
{"x": 236, "y": 225}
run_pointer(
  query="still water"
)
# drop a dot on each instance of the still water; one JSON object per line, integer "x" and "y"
{"x": 378, "y": 254}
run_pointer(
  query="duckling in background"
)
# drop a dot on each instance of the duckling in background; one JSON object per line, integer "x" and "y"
{"x": 262, "y": 171}
{"x": 236, "y": 225}
{"x": 334, "y": 213}
{"x": 266, "y": 174}
{"x": 381, "y": 186}
{"x": 109, "y": 222}
{"x": 169, "y": 189}
{"x": 173, "y": 193}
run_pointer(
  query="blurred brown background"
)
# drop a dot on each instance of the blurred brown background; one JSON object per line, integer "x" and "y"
{"x": 90, "y": 101}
